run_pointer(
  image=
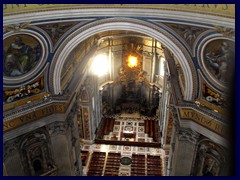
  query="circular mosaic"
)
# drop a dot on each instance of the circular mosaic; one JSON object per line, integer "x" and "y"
{"x": 219, "y": 59}
{"x": 126, "y": 161}
{"x": 21, "y": 54}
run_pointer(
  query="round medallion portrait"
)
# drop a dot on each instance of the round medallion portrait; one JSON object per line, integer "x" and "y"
{"x": 21, "y": 54}
{"x": 219, "y": 59}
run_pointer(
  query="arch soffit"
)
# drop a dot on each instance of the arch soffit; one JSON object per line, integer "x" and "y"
{"x": 121, "y": 24}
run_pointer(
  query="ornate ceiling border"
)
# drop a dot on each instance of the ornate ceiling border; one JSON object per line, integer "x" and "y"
{"x": 223, "y": 10}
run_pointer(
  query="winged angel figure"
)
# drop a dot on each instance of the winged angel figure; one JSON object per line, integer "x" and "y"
{"x": 189, "y": 33}
{"x": 15, "y": 27}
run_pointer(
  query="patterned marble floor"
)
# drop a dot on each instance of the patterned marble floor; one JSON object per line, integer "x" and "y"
{"x": 126, "y": 124}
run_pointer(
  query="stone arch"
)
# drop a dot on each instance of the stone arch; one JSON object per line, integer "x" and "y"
{"x": 118, "y": 24}
{"x": 210, "y": 159}
{"x": 36, "y": 146}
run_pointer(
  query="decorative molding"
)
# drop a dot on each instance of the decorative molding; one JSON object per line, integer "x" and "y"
{"x": 16, "y": 27}
{"x": 187, "y": 34}
{"x": 190, "y": 114}
{"x": 222, "y": 10}
{"x": 226, "y": 32}
{"x": 188, "y": 134}
{"x": 57, "y": 128}
{"x": 34, "y": 115}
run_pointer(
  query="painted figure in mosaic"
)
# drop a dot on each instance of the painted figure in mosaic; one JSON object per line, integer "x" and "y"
{"x": 219, "y": 61}
{"x": 20, "y": 58}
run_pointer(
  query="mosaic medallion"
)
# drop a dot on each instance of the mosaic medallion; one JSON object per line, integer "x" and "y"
{"x": 21, "y": 54}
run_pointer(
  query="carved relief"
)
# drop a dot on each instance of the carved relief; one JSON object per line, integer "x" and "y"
{"x": 16, "y": 27}
{"x": 188, "y": 134}
{"x": 188, "y": 33}
{"x": 227, "y": 32}
{"x": 57, "y": 128}
{"x": 56, "y": 30}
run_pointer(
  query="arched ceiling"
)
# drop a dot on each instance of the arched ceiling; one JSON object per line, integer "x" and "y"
{"x": 225, "y": 10}
{"x": 183, "y": 29}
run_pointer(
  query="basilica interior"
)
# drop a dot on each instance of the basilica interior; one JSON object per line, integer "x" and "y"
{"x": 118, "y": 89}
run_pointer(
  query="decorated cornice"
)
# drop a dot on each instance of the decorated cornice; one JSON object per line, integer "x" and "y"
{"x": 30, "y": 113}
{"x": 191, "y": 114}
{"x": 223, "y": 10}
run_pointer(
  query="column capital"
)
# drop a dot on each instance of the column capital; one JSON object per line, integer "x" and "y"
{"x": 188, "y": 134}
{"x": 57, "y": 128}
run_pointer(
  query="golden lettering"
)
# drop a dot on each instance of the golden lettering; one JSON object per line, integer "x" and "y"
{"x": 218, "y": 128}
{"x": 8, "y": 125}
{"x": 191, "y": 114}
{"x": 33, "y": 116}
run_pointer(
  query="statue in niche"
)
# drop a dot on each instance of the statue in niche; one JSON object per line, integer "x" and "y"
{"x": 210, "y": 167}
{"x": 36, "y": 155}
{"x": 220, "y": 60}
{"x": 20, "y": 57}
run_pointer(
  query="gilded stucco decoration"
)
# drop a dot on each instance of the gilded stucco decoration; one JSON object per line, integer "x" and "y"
{"x": 15, "y": 27}
{"x": 56, "y": 30}
{"x": 188, "y": 33}
{"x": 34, "y": 88}
{"x": 211, "y": 97}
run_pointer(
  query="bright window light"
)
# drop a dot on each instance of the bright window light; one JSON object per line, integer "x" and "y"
{"x": 132, "y": 61}
{"x": 100, "y": 65}
{"x": 162, "y": 66}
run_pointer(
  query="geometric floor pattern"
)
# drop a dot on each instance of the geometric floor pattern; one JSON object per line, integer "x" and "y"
{"x": 126, "y": 124}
